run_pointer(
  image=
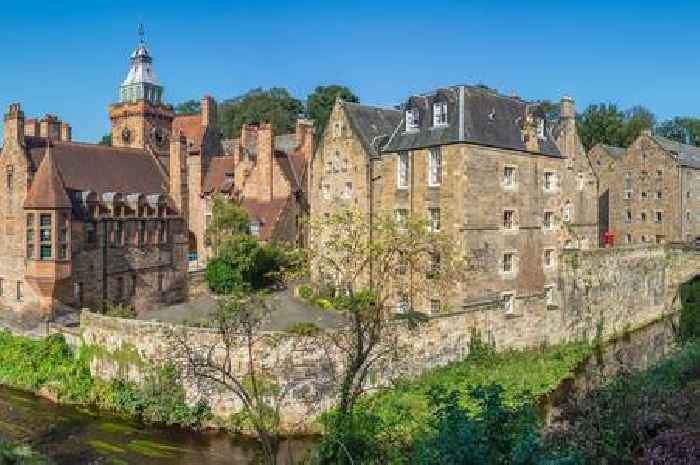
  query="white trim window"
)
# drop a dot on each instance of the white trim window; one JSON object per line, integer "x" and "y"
{"x": 548, "y": 220}
{"x": 440, "y": 114}
{"x": 347, "y": 191}
{"x": 255, "y": 227}
{"x": 548, "y": 258}
{"x": 540, "y": 129}
{"x": 326, "y": 191}
{"x": 402, "y": 170}
{"x": 401, "y": 215}
{"x": 434, "y": 218}
{"x": 434, "y": 167}
{"x": 412, "y": 119}
{"x": 434, "y": 307}
{"x": 509, "y": 177}
{"x": 549, "y": 181}
{"x": 337, "y": 130}
{"x": 567, "y": 213}
{"x": 509, "y": 222}
{"x": 549, "y": 294}
{"x": 508, "y": 302}
{"x": 508, "y": 264}
{"x": 581, "y": 182}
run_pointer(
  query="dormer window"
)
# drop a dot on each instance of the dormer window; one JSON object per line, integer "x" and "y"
{"x": 440, "y": 114}
{"x": 540, "y": 128}
{"x": 412, "y": 119}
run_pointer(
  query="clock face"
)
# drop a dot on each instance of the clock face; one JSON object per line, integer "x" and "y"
{"x": 126, "y": 134}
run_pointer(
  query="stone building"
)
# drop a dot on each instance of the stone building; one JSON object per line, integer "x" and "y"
{"x": 652, "y": 190}
{"x": 84, "y": 224}
{"x": 512, "y": 188}
{"x": 604, "y": 159}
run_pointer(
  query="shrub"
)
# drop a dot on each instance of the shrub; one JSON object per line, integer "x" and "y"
{"x": 306, "y": 292}
{"x": 689, "y": 324}
{"x": 304, "y": 328}
{"x": 119, "y": 310}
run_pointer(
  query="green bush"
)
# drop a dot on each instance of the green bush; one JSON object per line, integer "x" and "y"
{"x": 245, "y": 263}
{"x": 119, "y": 310}
{"x": 15, "y": 454}
{"x": 306, "y": 292}
{"x": 689, "y": 324}
{"x": 304, "y": 328}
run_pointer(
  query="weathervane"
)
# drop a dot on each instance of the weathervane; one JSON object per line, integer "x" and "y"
{"x": 142, "y": 33}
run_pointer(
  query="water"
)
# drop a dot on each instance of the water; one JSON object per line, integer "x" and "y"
{"x": 80, "y": 437}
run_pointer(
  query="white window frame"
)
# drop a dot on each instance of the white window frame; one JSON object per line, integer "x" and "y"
{"x": 540, "y": 129}
{"x": 629, "y": 216}
{"x": 431, "y": 310}
{"x": 508, "y": 300}
{"x": 326, "y": 191}
{"x": 553, "y": 181}
{"x": 439, "y": 114}
{"x": 402, "y": 170}
{"x": 512, "y": 182}
{"x": 551, "y": 258}
{"x": 659, "y": 216}
{"x": 581, "y": 182}
{"x": 513, "y": 219}
{"x": 412, "y": 120}
{"x": 567, "y": 213}
{"x": 549, "y": 294}
{"x": 401, "y": 216}
{"x": 545, "y": 226}
{"x": 347, "y": 190}
{"x": 434, "y": 220}
{"x": 513, "y": 263}
{"x": 337, "y": 130}
{"x": 434, "y": 166}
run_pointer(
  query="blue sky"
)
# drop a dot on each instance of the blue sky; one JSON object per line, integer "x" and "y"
{"x": 68, "y": 58}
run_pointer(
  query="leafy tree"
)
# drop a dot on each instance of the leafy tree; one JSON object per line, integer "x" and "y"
{"x": 550, "y": 109}
{"x": 189, "y": 107}
{"x": 601, "y": 124}
{"x": 637, "y": 119}
{"x": 275, "y": 105}
{"x": 106, "y": 139}
{"x": 320, "y": 104}
{"x": 228, "y": 218}
{"x": 681, "y": 129}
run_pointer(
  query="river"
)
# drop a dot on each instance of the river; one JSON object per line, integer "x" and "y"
{"x": 71, "y": 436}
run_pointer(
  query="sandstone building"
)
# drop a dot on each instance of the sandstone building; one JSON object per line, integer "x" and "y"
{"x": 650, "y": 191}
{"x": 512, "y": 188}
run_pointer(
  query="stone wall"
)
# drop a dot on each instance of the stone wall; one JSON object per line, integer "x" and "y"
{"x": 603, "y": 293}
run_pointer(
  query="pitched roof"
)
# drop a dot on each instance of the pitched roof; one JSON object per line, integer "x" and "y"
{"x": 101, "y": 168}
{"x": 219, "y": 177}
{"x": 688, "y": 155}
{"x": 267, "y": 213}
{"x": 371, "y": 124}
{"x": 47, "y": 190}
{"x": 487, "y": 118}
{"x": 615, "y": 152}
{"x": 191, "y": 127}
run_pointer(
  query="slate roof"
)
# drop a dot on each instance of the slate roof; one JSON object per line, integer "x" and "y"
{"x": 688, "y": 155}
{"x": 489, "y": 119}
{"x": 47, "y": 190}
{"x": 219, "y": 177}
{"x": 101, "y": 168}
{"x": 373, "y": 125}
{"x": 615, "y": 152}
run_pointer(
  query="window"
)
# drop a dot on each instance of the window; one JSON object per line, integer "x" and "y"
{"x": 568, "y": 211}
{"x": 659, "y": 195}
{"x": 30, "y": 236}
{"x": 644, "y": 195}
{"x": 440, "y": 114}
{"x": 412, "y": 119}
{"x": 629, "y": 238}
{"x": 687, "y": 216}
{"x": 163, "y": 239}
{"x": 402, "y": 305}
{"x": 434, "y": 306}
{"x": 509, "y": 176}
{"x": 434, "y": 265}
{"x": 345, "y": 167}
{"x": 508, "y": 265}
{"x": 540, "y": 128}
{"x": 628, "y": 181}
{"x": 337, "y": 130}
{"x": 326, "y": 191}
{"x": 643, "y": 216}
{"x": 659, "y": 173}
{"x": 549, "y": 295}
{"x": 628, "y": 216}
{"x": 628, "y": 195}
{"x": 549, "y": 180}
{"x": 255, "y": 228}
{"x": 659, "y": 217}
{"x": 19, "y": 290}
{"x": 45, "y": 236}
{"x": 142, "y": 233}
{"x": 402, "y": 175}
{"x": 63, "y": 238}
{"x": 78, "y": 293}
{"x": 548, "y": 257}
{"x": 644, "y": 238}
{"x": 509, "y": 303}
{"x": 401, "y": 215}
{"x": 548, "y": 222}
{"x": 10, "y": 171}
{"x": 581, "y": 182}
{"x": 660, "y": 239}
{"x": 347, "y": 191}
{"x": 434, "y": 214}
{"x": 508, "y": 219}
{"x": 435, "y": 166}
{"x": 403, "y": 264}
{"x": 90, "y": 233}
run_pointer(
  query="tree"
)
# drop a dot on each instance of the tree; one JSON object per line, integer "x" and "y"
{"x": 320, "y": 104}
{"x": 228, "y": 218}
{"x": 106, "y": 139}
{"x": 275, "y": 105}
{"x": 376, "y": 265}
{"x": 189, "y": 107}
{"x": 681, "y": 129}
{"x": 601, "y": 124}
{"x": 637, "y": 119}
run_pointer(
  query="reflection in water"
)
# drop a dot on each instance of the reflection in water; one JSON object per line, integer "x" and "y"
{"x": 73, "y": 436}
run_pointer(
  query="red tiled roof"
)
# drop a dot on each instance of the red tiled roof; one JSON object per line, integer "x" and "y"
{"x": 101, "y": 168}
{"x": 191, "y": 127}
{"x": 47, "y": 190}
{"x": 216, "y": 177}
{"x": 267, "y": 213}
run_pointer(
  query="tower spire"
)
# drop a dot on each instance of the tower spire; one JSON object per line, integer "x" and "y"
{"x": 142, "y": 34}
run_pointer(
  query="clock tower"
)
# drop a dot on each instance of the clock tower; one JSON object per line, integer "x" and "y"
{"x": 140, "y": 119}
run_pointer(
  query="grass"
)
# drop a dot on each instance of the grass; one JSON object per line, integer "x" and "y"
{"x": 524, "y": 375}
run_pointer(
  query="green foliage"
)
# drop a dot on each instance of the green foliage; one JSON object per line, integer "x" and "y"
{"x": 106, "y": 139}
{"x": 304, "y": 328}
{"x": 14, "y": 454}
{"x": 243, "y": 262}
{"x": 606, "y": 124}
{"x": 189, "y": 107}
{"x": 51, "y": 366}
{"x": 119, "y": 310}
{"x": 275, "y": 105}
{"x": 320, "y": 104}
{"x": 689, "y": 324}
{"x": 306, "y": 292}
{"x": 684, "y": 129}
{"x": 228, "y": 218}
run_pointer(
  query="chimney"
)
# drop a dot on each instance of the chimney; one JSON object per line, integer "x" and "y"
{"x": 50, "y": 127}
{"x": 31, "y": 128}
{"x": 266, "y": 161}
{"x": 567, "y": 120}
{"x": 305, "y": 138}
{"x": 66, "y": 132}
{"x": 249, "y": 138}
{"x": 14, "y": 126}
{"x": 208, "y": 111}
{"x": 567, "y": 108}
{"x": 178, "y": 173}
{"x": 530, "y": 131}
